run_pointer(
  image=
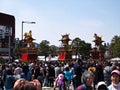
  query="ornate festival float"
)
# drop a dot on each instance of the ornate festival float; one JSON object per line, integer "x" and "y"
{"x": 97, "y": 52}
{"x": 29, "y": 51}
{"x": 65, "y": 50}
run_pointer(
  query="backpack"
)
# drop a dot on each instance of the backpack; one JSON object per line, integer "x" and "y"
{"x": 60, "y": 81}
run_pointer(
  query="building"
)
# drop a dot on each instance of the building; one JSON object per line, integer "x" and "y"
{"x": 7, "y": 35}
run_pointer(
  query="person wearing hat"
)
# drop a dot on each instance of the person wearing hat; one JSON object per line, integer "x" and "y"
{"x": 101, "y": 86}
{"x": 115, "y": 80}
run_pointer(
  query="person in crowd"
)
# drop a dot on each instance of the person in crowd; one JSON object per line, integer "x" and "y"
{"x": 51, "y": 75}
{"x": 87, "y": 80}
{"x": 9, "y": 80}
{"x": 60, "y": 82}
{"x": 68, "y": 77}
{"x": 57, "y": 70}
{"x": 99, "y": 76}
{"x": 107, "y": 73}
{"x": 41, "y": 75}
{"x": 77, "y": 69}
{"x": 102, "y": 86}
{"x": 72, "y": 72}
{"x": 22, "y": 84}
{"x": 113, "y": 66}
{"x": 118, "y": 66}
{"x": 115, "y": 80}
{"x": 26, "y": 74}
{"x": 17, "y": 72}
{"x": 46, "y": 73}
{"x": 36, "y": 72}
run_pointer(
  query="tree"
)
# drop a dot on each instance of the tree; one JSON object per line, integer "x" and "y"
{"x": 115, "y": 46}
{"x": 81, "y": 47}
{"x": 53, "y": 50}
{"x": 44, "y": 48}
{"x": 76, "y": 46}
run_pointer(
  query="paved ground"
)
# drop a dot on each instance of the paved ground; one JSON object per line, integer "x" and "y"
{"x": 50, "y": 88}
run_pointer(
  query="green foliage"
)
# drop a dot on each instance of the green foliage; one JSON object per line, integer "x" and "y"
{"x": 44, "y": 48}
{"x": 53, "y": 50}
{"x": 115, "y": 46}
{"x": 2, "y": 61}
{"x": 81, "y": 47}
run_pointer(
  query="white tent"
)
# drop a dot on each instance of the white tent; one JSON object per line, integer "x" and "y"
{"x": 42, "y": 58}
{"x": 17, "y": 60}
{"x": 117, "y": 59}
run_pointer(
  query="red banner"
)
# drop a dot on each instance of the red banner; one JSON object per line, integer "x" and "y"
{"x": 61, "y": 56}
{"x": 24, "y": 57}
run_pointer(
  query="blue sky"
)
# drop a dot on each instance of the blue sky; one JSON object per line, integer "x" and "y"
{"x": 79, "y": 18}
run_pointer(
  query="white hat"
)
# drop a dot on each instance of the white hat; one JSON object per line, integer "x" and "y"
{"x": 101, "y": 83}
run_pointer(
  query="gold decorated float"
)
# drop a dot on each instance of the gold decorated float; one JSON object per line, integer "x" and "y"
{"x": 29, "y": 51}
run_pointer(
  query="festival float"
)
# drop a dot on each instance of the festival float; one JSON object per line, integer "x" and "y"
{"x": 29, "y": 51}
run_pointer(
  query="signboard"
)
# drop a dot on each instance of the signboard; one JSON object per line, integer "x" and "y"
{"x": 5, "y": 31}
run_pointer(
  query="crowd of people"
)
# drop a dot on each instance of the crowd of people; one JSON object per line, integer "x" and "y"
{"x": 90, "y": 75}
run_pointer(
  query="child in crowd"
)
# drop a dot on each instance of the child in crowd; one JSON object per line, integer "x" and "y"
{"x": 101, "y": 86}
{"x": 60, "y": 82}
{"x": 115, "y": 80}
